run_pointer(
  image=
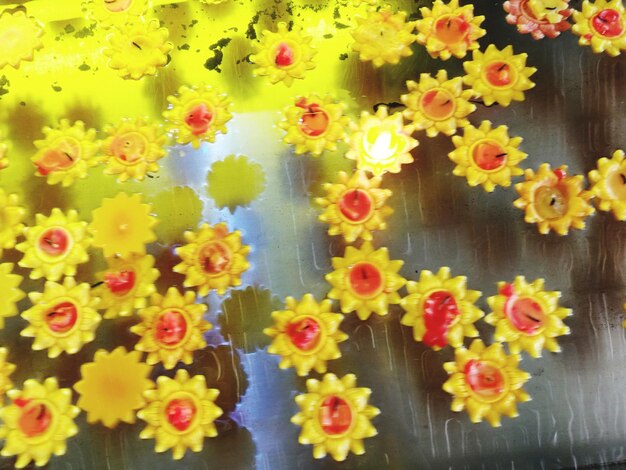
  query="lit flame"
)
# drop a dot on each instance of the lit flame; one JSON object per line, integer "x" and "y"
{"x": 382, "y": 150}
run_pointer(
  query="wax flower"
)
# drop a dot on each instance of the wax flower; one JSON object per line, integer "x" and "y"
{"x": 553, "y": 200}
{"x": 449, "y": 29}
{"x": 487, "y": 156}
{"x": 180, "y": 413}
{"x": 11, "y": 216}
{"x": 609, "y": 184}
{"x": 109, "y": 13}
{"x": 38, "y": 422}
{"x": 335, "y": 416}
{"x": 441, "y": 309}
{"x": 20, "y": 36}
{"x": 6, "y": 369}
{"x": 539, "y": 18}
{"x": 486, "y": 382}
{"x": 602, "y": 25}
{"x": 436, "y": 104}
{"x": 306, "y": 335}
{"x": 10, "y": 292}
{"x": 284, "y": 55}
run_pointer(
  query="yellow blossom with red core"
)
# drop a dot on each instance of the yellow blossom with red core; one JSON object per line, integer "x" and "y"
{"x": 20, "y": 36}
{"x": 539, "y": 18}
{"x": 109, "y": 13}
{"x": 609, "y": 184}
{"x": 6, "y": 369}
{"x": 554, "y": 200}
{"x": 11, "y": 216}
{"x": 10, "y": 292}
{"x": 602, "y": 25}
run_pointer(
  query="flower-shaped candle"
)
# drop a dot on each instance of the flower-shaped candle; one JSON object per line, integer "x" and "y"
{"x": 111, "y": 387}
{"x": 66, "y": 152}
{"x": 355, "y": 206}
{"x": 6, "y": 369}
{"x": 213, "y": 258}
{"x": 137, "y": 49}
{"x": 55, "y": 245}
{"x": 381, "y": 143}
{"x": 197, "y": 114}
{"x": 449, "y": 29}
{"x": 527, "y": 317}
{"x": 539, "y": 18}
{"x": 441, "y": 309}
{"x": 499, "y": 76}
{"x": 306, "y": 334}
{"x": 171, "y": 328}
{"x": 38, "y": 422}
{"x": 383, "y": 36}
{"x": 486, "y": 382}
{"x": 436, "y": 104}
{"x": 602, "y": 25}
{"x": 335, "y": 416}
{"x": 284, "y": 55}
{"x": 553, "y": 200}
{"x": 487, "y": 156}
{"x": 180, "y": 413}
{"x": 609, "y": 184}
{"x": 365, "y": 281}
{"x": 20, "y": 36}
{"x": 109, "y": 13}
{"x": 11, "y": 216}
{"x": 10, "y": 292}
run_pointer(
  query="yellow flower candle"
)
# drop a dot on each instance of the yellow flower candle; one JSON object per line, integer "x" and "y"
{"x": 436, "y": 104}
{"x": 335, "y": 416}
{"x": 20, "y": 36}
{"x": 487, "y": 156}
{"x": 609, "y": 184}
{"x": 527, "y": 317}
{"x": 180, "y": 413}
{"x": 6, "y": 369}
{"x": 306, "y": 335}
{"x": 602, "y": 25}
{"x": 486, "y": 382}
{"x": 441, "y": 309}
{"x": 10, "y": 292}
{"x": 11, "y": 216}
{"x": 38, "y": 422}
{"x": 539, "y": 18}
{"x": 109, "y": 13}
{"x": 171, "y": 328}
{"x": 365, "y": 281}
{"x": 553, "y": 200}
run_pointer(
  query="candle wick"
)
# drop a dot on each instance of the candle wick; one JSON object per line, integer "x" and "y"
{"x": 137, "y": 45}
{"x": 553, "y": 201}
{"x": 449, "y": 23}
{"x": 446, "y": 102}
{"x": 601, "y": 19}
{"x": 446, "y": 300}
{"x": 501, "y": 67}
{"x": 536, "y": 320}
{"x": 97, "y": 284}
{"x": 41, "y": 413}
{"x": 623, "y": 178}
{"x": 356, "y": 193}
{"x": 500, "y": 155}
{"x": 68, "y": 156}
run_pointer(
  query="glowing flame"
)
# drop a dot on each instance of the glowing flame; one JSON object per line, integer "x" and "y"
{"x": 382, "y": 149}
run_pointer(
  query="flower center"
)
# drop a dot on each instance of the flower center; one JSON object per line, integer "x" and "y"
{"x": 120, "y": 283}
{"x": 489, "y": 155}
{"x": 381, "y": 145}
{"x": 35, "y": 418}
{"x": 335, "y": 415}
{"x": 356, "y": 205}
{"x": 64, "y": 155}
{"x": 129, "y": 147}
{"x": 314, "y": 121}
{"x": 550, "y": 202}
{"x": 304, "y": 333}
{"x": 438, "y": 104}
{"x": 500, "y": 74}
{"x": 170, "y": 328}
{"x": 117, "y": 6}
{"x": 54, "y": 242}
{"x": 525, "y": 314}
{"x": 616, "y": 183}
{"x": 180, "y": 413}
{"x": 199, "y": 118}
{"x": 452, "y": 29}
{"x": 284, "y": 55}
{"x": 440, "y": 312}
{"x": 366, "y": 280}
{"x": 485, "y": 379}
{"x": 214, "y": 258}
{"x": 608, "y": 23}
{"x": 62, "y": 317}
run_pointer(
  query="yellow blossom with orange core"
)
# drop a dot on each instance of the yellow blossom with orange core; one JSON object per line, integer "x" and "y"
{"x": 602, "y": 25}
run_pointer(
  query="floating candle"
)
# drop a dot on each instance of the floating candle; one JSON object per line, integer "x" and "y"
{"x": 609, "y": 184}
{"x": 109, "y": 13}
{"x": 539, "y": 18}
{"x": 20, "y": 36}
{"x": 602, "y": 25}
{"x": 11, "y": 216}
{"x": 10, "y": 292}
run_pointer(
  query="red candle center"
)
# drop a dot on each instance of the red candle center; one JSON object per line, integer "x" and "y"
{"x": 525, "y": 314}
{"x": 64, "y": 155}
{"x": 284, "y": 55}
{"x": 130, "y": 147}
{"x": 180, "y": 413}
{"x": 438, "y": 104}
{"x": 170, "y": 328}
{"x": 550, "y": 202}
{"x": 305, "y": 334}
{"x": 608, "y": 23}
{"x": 452, "y": 29}
{"x": 356, "y": 205}
{"x": 366, "y": 279}
{"x": 34, "y": 419}
{"x": 117, "y": 6}
{"x": 335, "y": 415}
{"x": 489, "y": 155}
{"x": 199, "y": 118}
{"x": 62, "y": 317}
{"x": 485, "y": 379}
{"x": 54, "y": 242}
{"x": 440, "y": 312}
{"x": 314, "y": 121}
{"x": 120, "y": 283}
{"x": 214, "y": 258}
{"x": 499, "y": 74}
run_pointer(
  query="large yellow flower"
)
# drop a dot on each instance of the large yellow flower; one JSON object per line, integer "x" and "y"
{"x": 111, "y": 387}
{"x": 284, "y": 55}
{"x": 180, "y": 413}
{"x": 213, "y": 258}
{"x": 10, "y": 293}
{"x": 306, "y": 334}
{"x": 6, "y": 369}
{"x": 487, "y": 156}
{"x": 122, "y": 225}
{"x": 539, "y": 18}
{"x": 383, "y": 36}
{"x": 109, "y": 13}
{"x": 436, "y": 104}
{"x": 486, "y": 382}
{"x": 20, "y": 36}
{"x": 553, "y": 200}
{"x": 365, "y": 281}
{"x": 441, "y": 309}
{"x": 55, "y": 245}
{"x": 11, "y": 215}
{"x": 527, "y": 317}
{"x": 171, "y": 328}
{"x": 197, "y": 114}
{"x": 38, "y": 422}
{"x": 66, "y": 153}
{"x": 62, "y": 318}
{"x": 609, "y": 184}
{"x": 449, "y": 29}
{"x": 602, "y": 25}
{"x": 355, "y": 206}
{"x": 133, "y": 148}
{"x": 335, "y": 416}
{"x": 381, "y": 143}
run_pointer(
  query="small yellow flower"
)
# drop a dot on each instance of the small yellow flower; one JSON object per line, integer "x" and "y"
{"x": 66, "y": 153}
{"x": 306, "y": 334}
{"x": 197, "y": 114}
{"x": 486, "y": 382}
{"x": 213, "y": 258}
{"x": 553, "y": 200}
{"x": 38, "y": 422}
{"x": 436, "y": 104}
{"x": 10, "y": 293}
{"x": 112, "y": 386}
{"x": 381, "y": 143}
{"x": 11, "y": 216}
{"x": 284, "y": 55}
{"x": 383, "y": 36}
{"x": 6, "y": 369}
{"x": 355, "y": 206}
{"x": 109, "y": 13}
{"x": 122, "y": 225}
{"x": 602, "y": 25}
{"x": 20, "y": 36}
{"x": 609, "y": 184}
{"x": 171, "y": 328}
{"x": 365, "y": 281}
{"x": 180, "y": 413}
{"x": 335, "y": 416}
{"x": 449, "y": 29}
{"x": 487, "y": 156}
{"x": 55, "y": 245}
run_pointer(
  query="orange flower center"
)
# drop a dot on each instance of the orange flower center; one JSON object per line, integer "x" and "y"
{"x": 64, "y": 155}
{"x": 170, "y": 328}
{"x": 35, "y": 418}
{"x": 499, "y": 74}
{"x": 180, "y": 413}
{"x": 608, "y": 23}
{"x": 356, "y": 205}
{"x": 284, "y": 56}
{"x": 304, "y": 333}
{"x": 120, "y": 283}
{"x": 62, "y": 317}
{"x": 314, "y": 121}
{"x": 366, "y": 280}
{"x": 485, "y": 379}
{"x": 438, "y": 104}
{"x": 199, "y": 118}
{"x": 489, "y": 155}
{"x": 54, "y": 242}
{"x": 335, "y": 415}
{"x": 525, "y": 314}
{"x": 129, "y": 147}
{"x": 440, "y": 312}
{"x": 215, "y": 258}
{"x": 452, "y": 29}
